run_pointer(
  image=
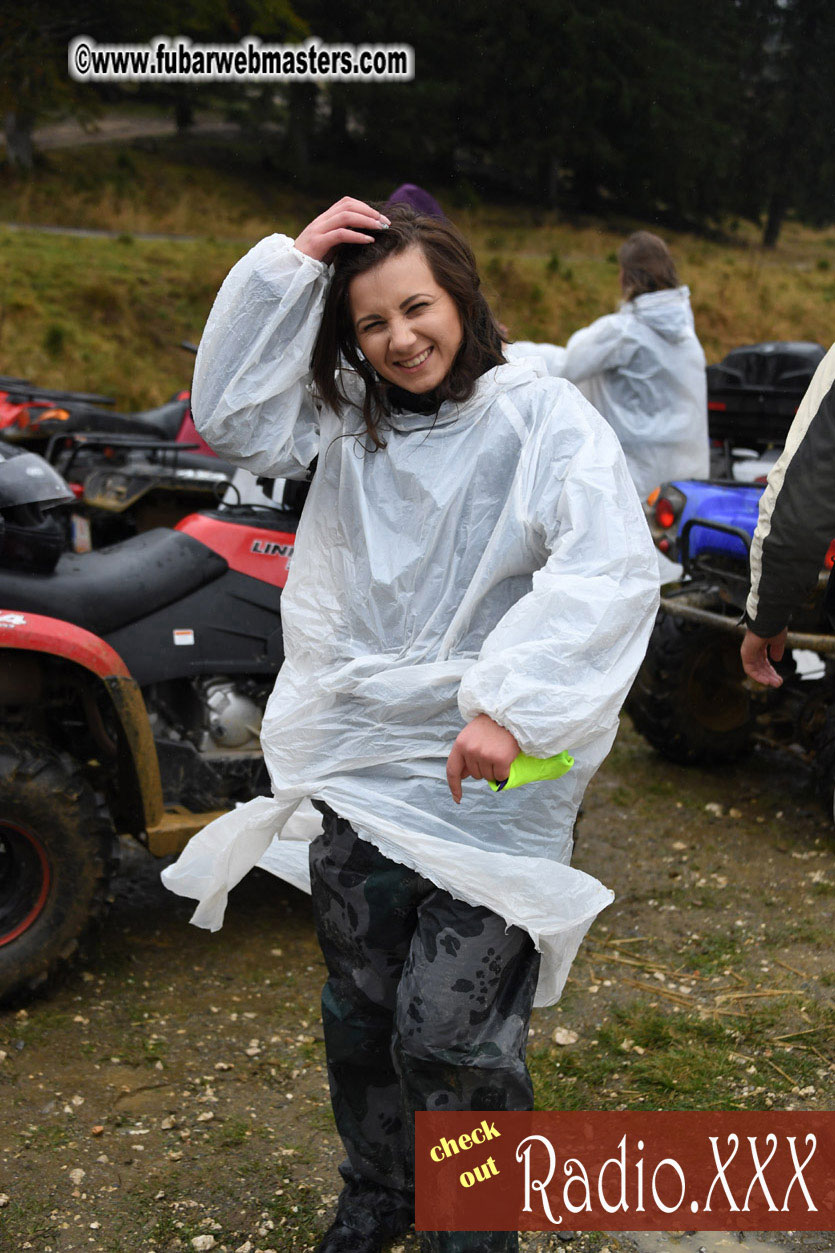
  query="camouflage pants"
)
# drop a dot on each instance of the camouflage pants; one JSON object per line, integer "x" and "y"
{"x": 426, "y": 1006}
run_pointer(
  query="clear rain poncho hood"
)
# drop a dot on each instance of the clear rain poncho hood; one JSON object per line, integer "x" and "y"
{"x": 492, "y": 558}
{"x": 643, "y": 369}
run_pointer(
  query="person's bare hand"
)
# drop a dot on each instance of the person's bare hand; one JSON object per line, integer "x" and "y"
{"x": 343, "y": 223}
{"x": 483, "y": 750}
{"x": 758, "y": 653}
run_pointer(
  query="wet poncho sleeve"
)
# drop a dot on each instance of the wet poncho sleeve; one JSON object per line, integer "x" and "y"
{"x": 251, "y": 396}
{"x": 552, "y": 356}
{"x": 605, "y": 345}
{"x": 556, "y": 668}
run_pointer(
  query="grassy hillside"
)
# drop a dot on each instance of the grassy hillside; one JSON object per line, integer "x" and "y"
{"x": 107, "y": 314}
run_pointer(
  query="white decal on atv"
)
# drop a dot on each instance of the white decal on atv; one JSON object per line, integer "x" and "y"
{"x": 12, "y": 620}
{"x": 183, "y": 637}
{"x": 203, "y": 476}
{"x": 271, "y": 548}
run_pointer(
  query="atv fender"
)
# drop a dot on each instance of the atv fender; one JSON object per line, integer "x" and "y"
{"x": 36, "y": 633}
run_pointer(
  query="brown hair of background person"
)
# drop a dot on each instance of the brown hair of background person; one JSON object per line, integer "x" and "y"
{"x": 453, "y": 267}
{"x": 646, "y": 265}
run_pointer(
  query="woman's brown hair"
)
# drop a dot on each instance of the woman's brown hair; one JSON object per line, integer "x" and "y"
{"x": 453, "y": 267}
{"x": 646, "y": 265}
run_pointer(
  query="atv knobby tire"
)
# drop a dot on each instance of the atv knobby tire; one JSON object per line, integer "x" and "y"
{"x": 57, "y": 853}
{"x": 688, "y": 699}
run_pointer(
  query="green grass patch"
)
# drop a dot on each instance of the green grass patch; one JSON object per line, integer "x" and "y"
{"x": 51, "y": 1138}
{"x": 818, "y": 935}
{"x": 657, "y": 1058}
{"x": 165, "y": 1230}
{"x": 231, "y": 1133}
{"x": 29, "y": 1220}
{"x": 713, "y": 953}
{"x": 622, "y": 796}
{"x": 168, "y": 186}
{"x": 296, "y": 1217}
{"x": 41, "y": 1022}
{"x": 91, "y": 315}
{"x": 640, "y": 1058}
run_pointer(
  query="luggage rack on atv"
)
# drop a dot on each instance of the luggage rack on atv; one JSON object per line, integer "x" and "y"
{"x": 78, "y": 440}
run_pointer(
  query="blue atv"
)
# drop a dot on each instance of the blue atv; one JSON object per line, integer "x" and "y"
{"x": 691, "y": 699}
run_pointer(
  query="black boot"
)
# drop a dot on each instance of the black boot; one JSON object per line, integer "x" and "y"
{"x": 340, "y": 1238}
{"x": 366, "y": 1219}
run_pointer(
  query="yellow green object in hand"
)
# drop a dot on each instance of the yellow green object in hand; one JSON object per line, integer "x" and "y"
{"x": 525, "y": 769}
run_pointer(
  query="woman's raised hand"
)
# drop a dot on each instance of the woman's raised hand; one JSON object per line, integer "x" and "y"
{"x": 342, "y": 223}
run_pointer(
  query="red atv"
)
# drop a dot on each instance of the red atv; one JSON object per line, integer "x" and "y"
{"x": 129, "y": 471}
{"x": 132, "y": 685}
{"x": 31, "y": 415}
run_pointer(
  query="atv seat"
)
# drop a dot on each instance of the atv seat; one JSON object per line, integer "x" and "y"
{"x": 163, "y": 422}
{"x": 154, "y": 424}
{"x": 112, "y": 587}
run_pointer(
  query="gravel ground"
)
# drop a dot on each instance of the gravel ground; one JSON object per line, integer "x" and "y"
{"x": 171, "y": 1094}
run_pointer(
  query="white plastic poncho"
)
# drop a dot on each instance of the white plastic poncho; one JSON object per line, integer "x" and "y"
{"x": 643, "y": 369}
{"x": 494, "y": 560}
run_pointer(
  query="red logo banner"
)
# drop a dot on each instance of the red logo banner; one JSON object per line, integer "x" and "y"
{"x": 625, "y": 1170}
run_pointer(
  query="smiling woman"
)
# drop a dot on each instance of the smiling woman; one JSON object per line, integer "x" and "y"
{"x": 407, "y": 310}
{"x": 472, "y": 577}
{"x": 412, "y": 341}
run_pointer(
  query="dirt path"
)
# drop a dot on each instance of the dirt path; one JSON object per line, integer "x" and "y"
{"x": 174, "y": 1087}
{"x": 118, "y": 128}
{"x": 113, "y": 129}
{"x": 89, "y": 232}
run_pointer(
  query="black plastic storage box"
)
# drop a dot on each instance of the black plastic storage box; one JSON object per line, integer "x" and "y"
{"x": 754, "y": 392}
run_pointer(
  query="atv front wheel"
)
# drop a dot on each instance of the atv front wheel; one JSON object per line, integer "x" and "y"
{"x": 688, "y": 699}
{"x": 57, "y": 853}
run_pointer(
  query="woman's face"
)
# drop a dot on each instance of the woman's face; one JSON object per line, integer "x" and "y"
{"x": 407, "y": 326}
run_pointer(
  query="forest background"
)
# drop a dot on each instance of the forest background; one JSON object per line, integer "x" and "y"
{"x": 547, "y": 129}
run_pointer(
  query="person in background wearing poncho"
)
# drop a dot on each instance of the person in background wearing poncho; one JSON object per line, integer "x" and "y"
{"x": 642, "y": 368}
{"x": 472, "y": 576}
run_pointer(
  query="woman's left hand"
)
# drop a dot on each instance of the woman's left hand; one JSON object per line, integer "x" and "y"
{"x": 483, "y": 750}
